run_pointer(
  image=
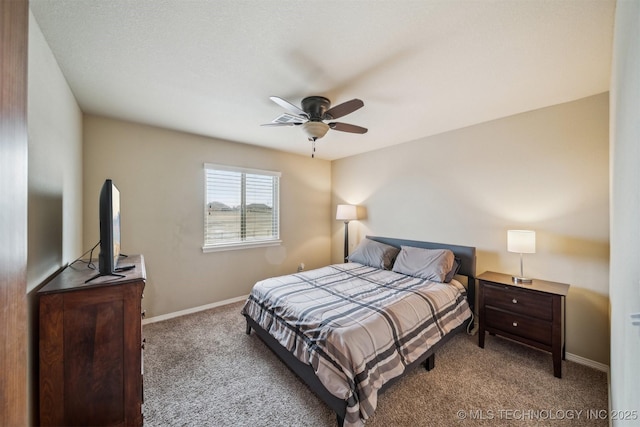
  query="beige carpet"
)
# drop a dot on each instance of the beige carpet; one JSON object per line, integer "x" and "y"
{"x": 203, "y": 370}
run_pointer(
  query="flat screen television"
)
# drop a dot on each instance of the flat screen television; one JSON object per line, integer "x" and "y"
{"x": 109, "y": 229}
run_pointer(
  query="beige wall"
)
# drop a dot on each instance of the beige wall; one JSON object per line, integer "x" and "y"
{"x": 545, "y": 170}
{"x": 55, "y": 182}
{"x": 161, "y": 180}
{"x": 625, "y": 209}
{"x": 55, "y": 164}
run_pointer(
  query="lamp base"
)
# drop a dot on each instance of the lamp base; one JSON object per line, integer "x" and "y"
{"x": 525, "y": 280}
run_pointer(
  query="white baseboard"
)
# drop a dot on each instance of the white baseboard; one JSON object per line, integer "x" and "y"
{"x": 193, "y": 310}
{"x": 587, "y": 362}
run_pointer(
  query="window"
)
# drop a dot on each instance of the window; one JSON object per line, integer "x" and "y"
{"x": 241, "y": 207}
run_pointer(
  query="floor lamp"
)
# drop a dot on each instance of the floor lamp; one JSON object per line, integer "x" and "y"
{"x": 346, "y": 213}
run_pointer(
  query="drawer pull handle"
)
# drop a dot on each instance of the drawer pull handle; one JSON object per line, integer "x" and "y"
{"x": 515, "y": 301}
{"x": 515, "y": 323}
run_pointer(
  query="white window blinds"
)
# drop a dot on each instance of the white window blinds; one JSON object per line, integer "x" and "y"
{"x": 241, "y": 207}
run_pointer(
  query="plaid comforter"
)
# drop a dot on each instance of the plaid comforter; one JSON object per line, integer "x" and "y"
{"x": 357, "y": 326}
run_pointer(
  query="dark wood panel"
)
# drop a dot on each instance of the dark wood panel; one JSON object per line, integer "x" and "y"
{"x": 133, "y": 352}
{"x": 93, "y": 364}
{"x": 519, "y": 325}
{"x": 51, "y": 350}
{"x": 91, "y": 357}
{"x": 14, "y": 21}
{"x": 533, "y": 304}
{"x": 536, "y": 285}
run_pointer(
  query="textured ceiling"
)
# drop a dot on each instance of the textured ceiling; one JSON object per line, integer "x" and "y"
{"x": 421, "y": 67}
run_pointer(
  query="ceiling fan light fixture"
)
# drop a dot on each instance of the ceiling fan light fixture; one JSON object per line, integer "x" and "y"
{"x": 315, "y": 130}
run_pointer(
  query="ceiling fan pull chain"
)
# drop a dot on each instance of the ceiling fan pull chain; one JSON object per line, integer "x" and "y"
{"x": 313, "y": 151}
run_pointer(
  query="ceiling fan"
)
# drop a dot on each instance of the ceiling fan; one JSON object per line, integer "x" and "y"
{"x": 313, "y": 114}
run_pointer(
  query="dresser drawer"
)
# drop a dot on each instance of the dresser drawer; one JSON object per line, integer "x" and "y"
{"x": 520, "y": 301}
{"x": 522, "y": 326}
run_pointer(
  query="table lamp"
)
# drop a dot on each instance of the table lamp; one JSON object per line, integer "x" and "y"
{"x": 522, "y": 242}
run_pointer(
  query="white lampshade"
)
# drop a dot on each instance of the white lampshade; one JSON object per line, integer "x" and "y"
{"x": 347, "y": 212}
{"x": 521, "y": 241}
{"x": 315, "y": 130}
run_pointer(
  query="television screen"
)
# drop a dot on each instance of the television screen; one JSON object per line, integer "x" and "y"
{"x": 109, "y": 228}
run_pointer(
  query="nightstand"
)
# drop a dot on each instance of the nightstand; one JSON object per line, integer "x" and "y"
{"x": 532, "y": 314}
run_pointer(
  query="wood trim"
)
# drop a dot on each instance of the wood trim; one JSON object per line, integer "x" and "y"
{"x": 14, "y": 33}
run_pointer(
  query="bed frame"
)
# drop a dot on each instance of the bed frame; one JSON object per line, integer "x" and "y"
{"x": 467, "y": 256}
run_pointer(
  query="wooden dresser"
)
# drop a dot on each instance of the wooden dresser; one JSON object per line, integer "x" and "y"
{"x": 91, "y": 348}
{"x": 532, "y": 314}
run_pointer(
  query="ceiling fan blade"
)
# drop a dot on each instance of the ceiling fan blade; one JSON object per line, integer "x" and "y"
{"x": 289, "y": 118}
{"x": 288, "y": 106}
{"x": 345, "y": 127}
{"x": 286, "y": 119}
{"x": 342, "y": 109}
{"x": 282, "y": 124}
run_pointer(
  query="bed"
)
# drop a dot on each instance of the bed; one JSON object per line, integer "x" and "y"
{"x": 351, "y": 330}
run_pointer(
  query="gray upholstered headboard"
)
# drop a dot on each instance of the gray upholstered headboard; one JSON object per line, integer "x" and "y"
{"x": 466, "y": 254}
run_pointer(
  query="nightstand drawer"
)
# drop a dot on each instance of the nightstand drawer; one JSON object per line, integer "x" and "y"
{"x": 520, "y": 301}
{"x": 521, "y": 326}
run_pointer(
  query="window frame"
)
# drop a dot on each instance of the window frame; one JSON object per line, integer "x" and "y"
{"x": 241, "y": 244}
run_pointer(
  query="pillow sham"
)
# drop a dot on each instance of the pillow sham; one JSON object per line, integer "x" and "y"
{"x": 374, "y": 254}
{"x": 430, "y": 264}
